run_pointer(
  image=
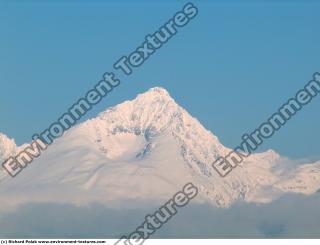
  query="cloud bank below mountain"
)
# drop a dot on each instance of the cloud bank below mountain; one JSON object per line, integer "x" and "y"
{"x": 292, "y": 216}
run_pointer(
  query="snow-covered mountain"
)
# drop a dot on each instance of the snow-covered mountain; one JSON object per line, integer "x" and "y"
{"x": 145, "y": 150}
{"x": 8, "y": 147}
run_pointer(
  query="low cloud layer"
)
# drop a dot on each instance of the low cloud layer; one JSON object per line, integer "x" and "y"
{"x": 290, "y": 216}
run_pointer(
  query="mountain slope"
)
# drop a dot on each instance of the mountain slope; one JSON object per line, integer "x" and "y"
{"x": 145, "y": 150}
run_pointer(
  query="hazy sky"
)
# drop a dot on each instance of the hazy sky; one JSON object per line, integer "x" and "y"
{"x": 231, "y": 67}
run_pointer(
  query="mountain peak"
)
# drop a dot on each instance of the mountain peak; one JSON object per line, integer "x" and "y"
{"x": 7, "y": 146}
{"x": 4, "y": 140}
{"x": 156, "y": 93}
{"x": 158, "y": 90}
{"x": 153, "y": 106}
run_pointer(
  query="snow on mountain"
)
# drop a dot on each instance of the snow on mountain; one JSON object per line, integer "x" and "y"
{"x": 7, "y": 147}
{"x": 145, "y": 150}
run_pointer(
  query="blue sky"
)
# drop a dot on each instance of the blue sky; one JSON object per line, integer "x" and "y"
{"x": 231, "y": 67}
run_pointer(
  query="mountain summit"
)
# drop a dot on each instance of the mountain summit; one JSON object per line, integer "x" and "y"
{"x": 7, "y": 147}
{"x": 145, "y": 150}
